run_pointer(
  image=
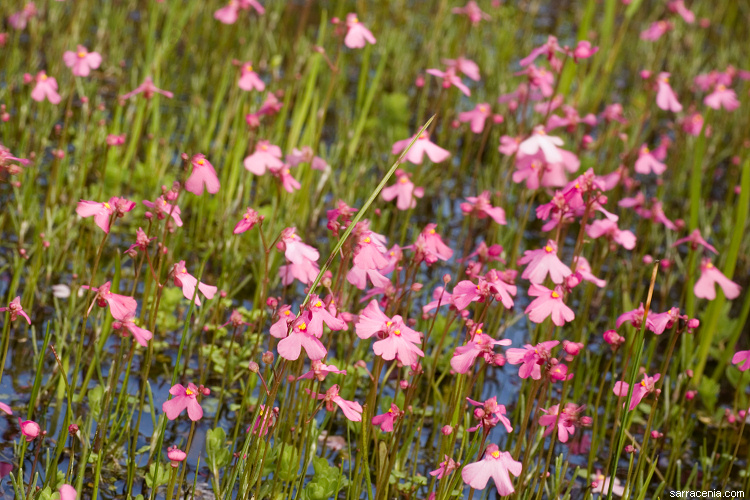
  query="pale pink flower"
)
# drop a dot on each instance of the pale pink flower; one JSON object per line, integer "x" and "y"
{"x": 480, "y": 344}
{"x": 509, "y": 145}
{"x": 472, "y": 11}
{"x": 600, "y": 484}
{"x": 203, "y": 175}
{"x": 549, "y": 50}
{"x": 248, "y": 221}
{"x": 7, "y": 409}
{"x": 542, "y": 262}
{"x": 82, "y": 61}
{"x": 539, "y": 140}
{"x": 445, "y": 467}
{"x": 115, "y": 140}
{"x": 319, "y": 370}
{"x": 67, "y": 492}
{"x": 45, "y": 88}
{"x": 548, "y": 303}
{"x": 584, "y": 50}
{"x": 404, "y": 190}
{"x": 305, "y": 155}
{"x": 490, "y": 414}
{"x": 465, "y": 66}
{"x": 284, "y": 175}
{"x": 249, "y": 79}
{"x": 281, "y": 326}
{"x": 421, "y": 146}
{"x": 141, "y": 335}
{"x": 678, "y": 6}
{"x": 608, "y": 229}
{"x": 357, "y": 36}
{"x": 15, "y": 309}
{"x": 103, "y": 212}
{"x": 656, "y": 30}
{"x": 300, "y": 337}
{"x": 476, "y": 117}
{"x": 351, "y": 409}
{"x": 164, "y": 209}
{"x": 302, "y": 258}
{"x": 722, "y": 97}
{"x": 495, "y": 464}
{"x": 695, "y": 239}
{"x": 148, "y": 89}
{"x": 450, "y": 77}
{"x": 566, "y": 422}
{"x": 705, "y": 286}
{"x": 481, "y": 207}
{"x": 184, "y": 398}
{"x": 320, "y": 315}
{"x": 120, "y": 306}
{"x": 18, "y": 20}
{"x": 229, "y": 13}
{"x": 641, "y": 390}
{"x": 693, "y": 124}
{"x": 583, "y": 269}
{"x": 430, "y": 246}
{"x": 188, "y": 283}
{"x": 397, "y": 341}
{"x": 647, "y": 163}
{"x": 531, "y": 358}
{"x": 266, "y": 155}
{"x": 665, "y": 96}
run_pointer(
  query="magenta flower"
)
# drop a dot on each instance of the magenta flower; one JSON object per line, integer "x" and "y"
{"x": 141, "y": 335}
{"x": 431, "y": 243}
{"x": 495, "y": 464}
{"x": 385, "y": 420}
{"x": 422, "y": 146}
{"x": 404, "y": 190}
{"x": 175, "y": 456}
{"x": 148, "y": 89}
{"x": 659, "y": 322}
{"x": 704, "y": 288}
{"x": 567, "y": 421}
{"x": 665, "y": 96}
{"x": 489, "y": 414}
{"x": 656, "y": 30}
{"x": 548, "y": 303}
{"x": 584, "y": 50}
{"x": 647, "y": 163}
{"x": 67, "y": 492}
{"x": 678, "y": 6}
{"x": 15, "y": 309}
{"x": 450, "y": 77}
{"x": 188, "y": 283}
{"x": 542, "y": 262}
{"x": 357, "y": 36}
{"x": 446, "y": 467}
{"x": 472, "y": 11}
{"x": 351, "y": 409}
{"x": 396, "y": 340}
{"x": 164, "y": 209}
{"x": 695, "y": 239}
{"x": 722, "y": 97}
{"x": 280, "y": 328}
{"x": 645, "y": 387}
{"x": 492, "y": 284}
{"x": 300, "y": 337}
{"x": 82, "y": 61}
{"x": 742, "y": 360}
{"x": 531, "y": 358}
{"x": 5, "y": 408}
{"x": 248, "y": 221}
{"x": 29, "y": 429}
{"x": 480, "y": 344}
{"x": 203, "y": 175}
{"x": 249, "y": 79}
{"x": 319, "y": 371}
{"x": 481, "y": 207}
{"x": 120, "y": 306}
{"x": 635, "y": 318}
{"x": 266, "y": 155}
{"x": 115, "y": 140}
{"x": 284, "y": 175}
{"x": 6, "y": 158}
{"x": 184, "y": 398}
{"x": 571, "y": 120}
{"x": 609, "y": 229}
{"x": 476, "y": 117}
{"x": 540, "y": 141}
{"x": 45, "y": 88}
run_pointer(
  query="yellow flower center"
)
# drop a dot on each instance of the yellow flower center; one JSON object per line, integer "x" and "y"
{"x": 81, "y": 55}
{"x": 645, "y": 149}
{"x": 106, "y": 205}
{"x": 709, "y": 266}
{"x": 643, "y": 383}
{"x": 366, "y": 240}
{"x": 555, "y": 295}
{"x": 164, "y": 202}
{"x": 548, "y": 249}
{"x": 201, "y": 162}
{"x": 432, "y": 231}
{"x": 495, "y": 454}
{"x": 264, "y": 147}
{"x": 397, "y": 333}
{"x": 479, "y": 331}
{"x": 318, "y": 304}
{"x": 184, "y": 270}
{"x": 423, "y": 136}
{"x": 189, "y": 392}
{"x": 403, "y": 180}
{"x": 303, "y": 326}
{"x": 44, "y": 77}
{"x": 287, "y": 313}
{"x": 483, "y": 109}
{"x": 248, "y": 67}
{"x": 388, "y": 323}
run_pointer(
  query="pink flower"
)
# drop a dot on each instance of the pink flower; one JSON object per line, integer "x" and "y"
{"x": 284, "y": 175}
{"x": 665, "y": 96}
{"x": 421, "y": 146}
{"x": 203, "y": 175}
{"x": 229, "y": 13}
{"x": 175, "y": 455}
{"x": 446, "y": 467}
{"x": 115, "y": 140}
{"x": 542, "y": 262}
{"x": 29, "y": 429}
{"x": 15, "y": 309}
{"x": 695, "y": 239}
{"x": 531, "y": 358}
{"x": 105, "y": 211}
{"x": 266, "y": 155}
{"x": 583, "y": 269}
{"x": 141, "y": 335}
{"x": 385, "y": 420}
{"x": 188, "y": 283}
{"x": 567, "y": 421}
{"x": 656, "y": 30}
{"x": 120, "y": 306}
{"x": 489, "y": 414}
{"x": 320, "y": 315}
{"x": 281, "y": 326}
{"x": 678, "y": 6}
{"x": 184, "y": 398}
{"x": 476, "y": 117}
{"x": 495, "y": 464}
{"x": 473, "y": 12}
{"x": 305, "y": 155}
{"x": 740, "y": 358}
{"x": 481, "y": 207}
{"x": 5, "y": 408}
{"x": 148, "y": 89}
{"x": 164, "y": 209}
{"x": 352, "y": 410}
{"x": 722, "y": 97}
{"x": 248, "y": 221}
{"x": 302, "y": 258}
{"x": 609, "y": 229}
{"x": 647, "y": 163}
{"x": 548, "y": 50}
{"x": 67, "y": 492}
{"x": 319, "y": 370}
{"x": 465, "y": 66}
{"x": 704, "y": 288}
{"x": 450, "y": 77}
{"x": 396, "y": 340}
{"x": 19, "y": 19}
{"x": 480, "y": 344}
{"x": 600, "y": 484}
{"x": 300, "y": 337}
{"x": 82, "y": 61}
{"x": 404, "y": 190}
{"x": 540, "y": 141}
{"x": 641, "y": 390}
{"x": 46, "y": 87}
{"x": 357, "y": 36}
{"x": 584, "y": 50}
{"x": 249, "y": 79}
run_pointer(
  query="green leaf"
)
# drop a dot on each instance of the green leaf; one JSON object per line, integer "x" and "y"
{"x": 709, "y": 392}
{"x": 161, "y": 478}
{"x": 289, "y": 463}
{"x": 326, "y": 482}
{"x": 95, "y": 400}
{"x": 217, "y": 452}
